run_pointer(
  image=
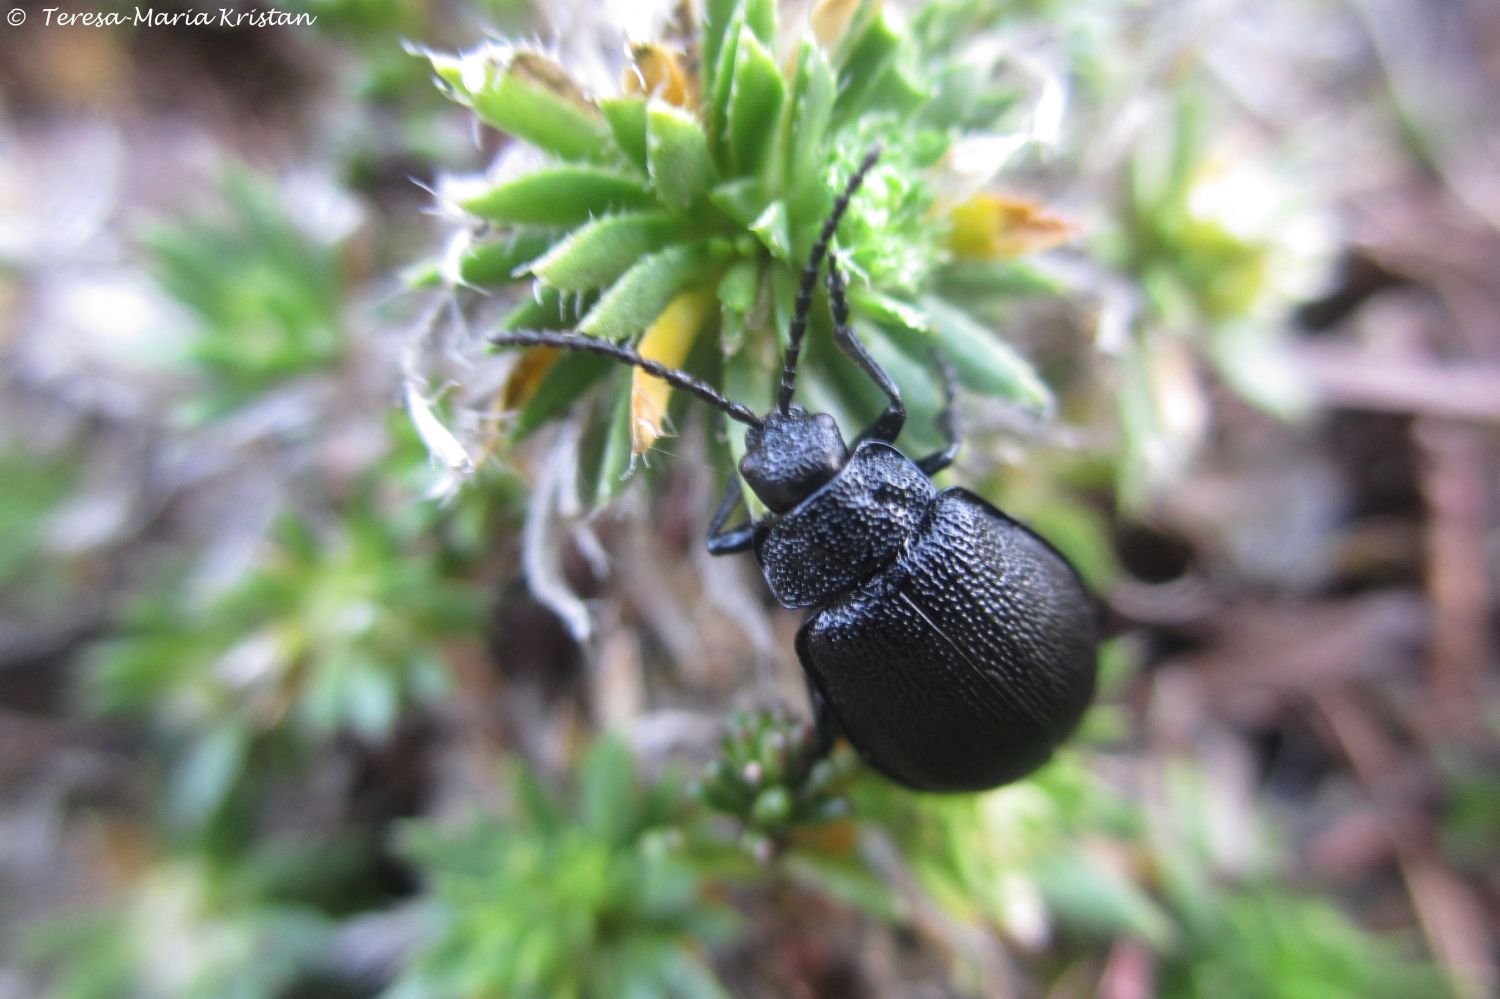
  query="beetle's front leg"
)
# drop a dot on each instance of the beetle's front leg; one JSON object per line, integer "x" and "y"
{"x": 887, "y": 426}
{"x": 728, "y": 541}
{"x": 939, "y": 460}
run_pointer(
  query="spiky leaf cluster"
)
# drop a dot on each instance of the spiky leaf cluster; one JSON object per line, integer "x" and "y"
{"x": 583, "y": 892}
{"x": 678, "y": 214}
{"x": 263, "y": 288}
{"x": 771, "y": 776}
{"x": 334, "y": 631}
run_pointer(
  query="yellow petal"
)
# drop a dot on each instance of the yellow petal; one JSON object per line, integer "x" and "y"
{"x": 658, "y": 72}
{"x": 992, "y": 227}
{"x": 524, "y": 379}
{"x": 831, "y": 20}
{"x": 667, "y": 340}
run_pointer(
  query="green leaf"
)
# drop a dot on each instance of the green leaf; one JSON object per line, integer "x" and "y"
{"x": 867, "y": 62}
{"x": 740, "y": 286}
{"x": 742, "y": 199}
{"x": 677, "y": 154}
{"x": 573, "y": 374}
{"x": 597, "y": 253}
{"x": 720, "y": 86}
{"x": 755, "y": 101}
{"x": 760, "y": 18}
{"x": 995, "y": 278}
{"x": 627, "y": 122}
{"x": 1090, "y": 894}
{"x": 731, "y": 331}
{"x": 607, "y": 790}
{"x": 323, "y": 706}
{"x": 805, "y": 129}
{"x": 721, "y": 20}
{"x": 428, "y": 679}
{"x": 564, "y": 195}
{"x": 784, "y": 283}
{"x": 616, "y": 455}
{"x": 38, "y": 485}
{"x": 641, "y": 294}
{"x": 895, "y": 91}
{"x": 772, "y": 229}
{"x": 206, "y": 774}
{"x": 599, "y": 410}
{"x": 541, "y": 813}
{"x": 531, "y": 98}
{"x": 1255, "y": 362}
{"x": 549, "y": 310}
{"x": 982, "y": 361}
{"x": 493, "y": 263}
{"x": 687, "y": 976}
{"x": 889, "y": 311}
{"x": 374, "y": 700}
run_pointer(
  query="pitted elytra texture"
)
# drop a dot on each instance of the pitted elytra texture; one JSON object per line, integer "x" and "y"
{"x": 954, "y": 647}
{"x": 979, "y": 638}
{"x": 845, "y": 532}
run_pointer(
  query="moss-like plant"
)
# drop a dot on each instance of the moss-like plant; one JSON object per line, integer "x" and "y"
{"x": 189, "y": 929}
{"x": 263, "y": 286}
{"x": 587, "y": 893}
{"x": 336, "y": 631}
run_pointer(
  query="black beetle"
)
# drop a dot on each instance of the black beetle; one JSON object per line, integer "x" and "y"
{"x": 954, "y": 647}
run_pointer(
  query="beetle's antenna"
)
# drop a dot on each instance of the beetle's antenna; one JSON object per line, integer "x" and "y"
{"x": 608, "y": 348}
{"x": 810, "y": 278}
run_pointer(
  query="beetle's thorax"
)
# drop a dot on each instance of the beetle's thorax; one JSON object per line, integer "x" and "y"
{"x": 790, "y": 455}
{"x": 845, "y": 531}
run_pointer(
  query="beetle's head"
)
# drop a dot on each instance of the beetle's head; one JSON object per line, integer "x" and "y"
{"x": 790, "y": 454}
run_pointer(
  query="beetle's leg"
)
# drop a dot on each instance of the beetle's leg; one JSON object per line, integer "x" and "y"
{"x": 939, "y": 460}
{"x": 887, "y": 425}
{"x": 727, "y": 541}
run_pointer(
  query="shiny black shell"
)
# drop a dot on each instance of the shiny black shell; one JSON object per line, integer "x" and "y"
{"x": 954, "y": 647}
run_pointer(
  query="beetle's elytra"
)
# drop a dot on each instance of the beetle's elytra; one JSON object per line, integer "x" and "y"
{"x": 950, "y": 644}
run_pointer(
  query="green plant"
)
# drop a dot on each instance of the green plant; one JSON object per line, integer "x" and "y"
{"x": 188, "y": 928}
{"x": 264, "y": 286}
{"x": 770, "y": 776}
{"x": 679, "y": 213}
{"x": 1269, "y": 942}
{"x": 1222, "y": 243}
{"x": 676, "y": 215}
{"x": 338, "y": 629}
{"x": 588, "y": 893}
{"x": 32, "y": 580}
{"x": 1027, "y": 856}
{"x": 390, "y": 119}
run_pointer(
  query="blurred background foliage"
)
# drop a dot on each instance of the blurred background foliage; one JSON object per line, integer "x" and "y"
{"x": 340, "y": 656}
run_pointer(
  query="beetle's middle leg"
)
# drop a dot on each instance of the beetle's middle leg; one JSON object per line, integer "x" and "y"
{"x": 887, "y": 425}
{"x": 941, "y": 459}
{"x": 729, "y": 540}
